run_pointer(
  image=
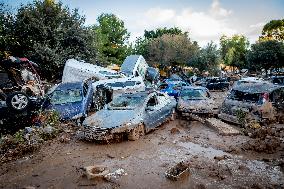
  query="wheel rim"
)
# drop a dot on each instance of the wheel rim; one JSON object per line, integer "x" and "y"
{"x": 19, "y": 101}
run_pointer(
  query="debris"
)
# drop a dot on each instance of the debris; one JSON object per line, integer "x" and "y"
{"x": 219, "y": 158}
{"x": 175, "y": 130}
{"x": 178, "y": 171}
{"x": 115, "y": 175}
{"x": 221, "y": 127}
{"x": 96, "y": 172}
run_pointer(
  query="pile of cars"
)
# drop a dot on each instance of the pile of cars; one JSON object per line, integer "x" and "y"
{"x": 132, "y": 102}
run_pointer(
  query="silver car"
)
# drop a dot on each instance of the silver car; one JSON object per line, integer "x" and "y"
{"x": 129, "y": 116}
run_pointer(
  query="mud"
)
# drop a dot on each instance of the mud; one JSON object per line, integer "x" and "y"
{"x": 214, "y": 161}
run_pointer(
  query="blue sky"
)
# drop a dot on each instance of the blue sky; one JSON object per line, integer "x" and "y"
{"x": 205, "y": 20}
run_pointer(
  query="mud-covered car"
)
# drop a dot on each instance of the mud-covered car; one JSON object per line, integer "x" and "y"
{"x": 129, "y": 116}
{"x": 262, "y": 102}
{"x": 20, "y": 86}
{"x": 71, "y": 100}
{"x": 196, "y": 100}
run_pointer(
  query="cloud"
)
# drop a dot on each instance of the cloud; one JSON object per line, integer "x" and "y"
{"x": 202, "y": 26}
{"x": 217, "y": 10}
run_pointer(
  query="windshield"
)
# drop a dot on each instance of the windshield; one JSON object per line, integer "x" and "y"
{"x": 195, "y": 94}
{"x": 126, "y": 102}
{"x": 68, "y": 96}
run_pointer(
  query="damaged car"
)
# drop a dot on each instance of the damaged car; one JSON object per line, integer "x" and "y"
{"x": 71, "y": 100}
{"x": 196, "y": 100}
{"x": 262, "y": 102}
{"x": 172, "y": 87}
{"x": 130, "y": 116}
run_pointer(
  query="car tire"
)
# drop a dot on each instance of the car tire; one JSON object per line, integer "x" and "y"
{"x": 18, "y": 101}
{"x": 136, "y": 132}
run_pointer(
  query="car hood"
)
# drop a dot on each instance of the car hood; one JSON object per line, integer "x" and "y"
{"x": 197, "y": 104}
{"x": 67, "y": 111}
{"x": 111, "y": 118}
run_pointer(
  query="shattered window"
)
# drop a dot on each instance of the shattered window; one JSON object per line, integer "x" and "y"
{"x": 128, "y": 102}
{"x": 243, "y": 96}
{"x": 68, "y": 96}
{"x": 193, "y": 94}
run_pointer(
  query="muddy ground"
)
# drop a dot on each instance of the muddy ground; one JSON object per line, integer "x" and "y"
{"x": 214, "y": 161}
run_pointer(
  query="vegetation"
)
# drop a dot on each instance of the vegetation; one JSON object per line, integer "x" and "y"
{"x": 233, "y": 50}
{"x": 61, "y": 34}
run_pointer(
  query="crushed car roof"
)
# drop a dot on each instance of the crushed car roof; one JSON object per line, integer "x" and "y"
{"x": 257, "y": 87}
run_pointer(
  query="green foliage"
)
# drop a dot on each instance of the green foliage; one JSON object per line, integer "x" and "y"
{"x": 207, "y": 59}
{"x": 111, "y": 38}
{"x": 170, "y": 50}
{"x": 273, "y": 30}
{"x": 241, "y": 116}
{"x": 233, "y": 50}
{"x": 266, "y": 55}
{"x": 19, "y": 136}
{"x": 142, "y": 43}
{"x": 159, "y": 32}
{"x": 49, "y": 33}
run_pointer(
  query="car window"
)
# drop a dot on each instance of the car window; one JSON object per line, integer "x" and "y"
{"x": 116, "y": 84}
{"x": 66, "y": 96}
{"x": 129, "y": 83}
{"x": 243, "y": 96}
{"x": 193, "y": 94}
{"x": 152, "y": 101}
{"x": 162, "y": 99}
{"x": 127, "y": 102}
{"x": 163, "y": 86}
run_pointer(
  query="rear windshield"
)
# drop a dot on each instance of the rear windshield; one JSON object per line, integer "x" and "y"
{"x": 242, "y": 96}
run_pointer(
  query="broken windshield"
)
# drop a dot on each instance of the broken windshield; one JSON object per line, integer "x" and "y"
{"x": 196, "y": 94}
{"x": 126, "y": 102}
{"x": 68, "y": 96}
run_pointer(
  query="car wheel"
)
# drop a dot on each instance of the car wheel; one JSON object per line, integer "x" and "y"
{"x": 136, "y": 132}
{"x": 173, "y": 115}
{"x": 18, "y": 101}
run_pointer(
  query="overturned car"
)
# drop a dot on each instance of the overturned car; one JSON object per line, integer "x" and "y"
{"x": 20, "y": 86}
{"x": 129, "y": 116}
{"x": 261, "y": 102}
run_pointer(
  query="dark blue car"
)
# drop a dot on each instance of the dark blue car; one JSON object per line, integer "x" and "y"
{"x": 172, "y": 87}
{"x": 71, "y": 100}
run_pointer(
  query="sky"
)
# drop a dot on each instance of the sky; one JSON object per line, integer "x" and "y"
{"x": 205, "y": 20}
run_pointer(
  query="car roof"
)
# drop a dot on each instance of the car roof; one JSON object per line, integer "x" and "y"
{"x": 257, "y": 87}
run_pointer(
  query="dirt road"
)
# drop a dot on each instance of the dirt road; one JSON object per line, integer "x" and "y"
{"x": 215, "y": 162}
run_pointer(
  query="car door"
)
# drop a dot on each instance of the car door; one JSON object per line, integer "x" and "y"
{"x": 163, "y": 103}
{"x": 152, "y": 113}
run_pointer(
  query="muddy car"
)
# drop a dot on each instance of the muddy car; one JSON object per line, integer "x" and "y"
{"x": 196, "y": 100}
{"x": 262, "y": 102}
{"x": 129, "y": 116}
{"x": 71, "y": 100}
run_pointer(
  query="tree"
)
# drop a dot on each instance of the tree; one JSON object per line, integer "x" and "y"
{"x": 7, "y": 39}
{"x": 273, "y": 30}
{"x": 266, "y": 55}
{"x": 161, "y": 31}
{"x": 233, "y": 50}
{"x": 207, "y": 59}
{"x": 142, "y": 42}
{"x": 170, "y": 50}
{"x": 111, "y": 39}
{"x": 49, "y": 34}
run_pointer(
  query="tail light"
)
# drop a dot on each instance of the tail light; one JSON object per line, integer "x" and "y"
{"x": 265, "y": 97}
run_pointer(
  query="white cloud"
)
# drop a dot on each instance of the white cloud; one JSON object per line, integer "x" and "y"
{"x": 202, "y": 26}
{"x": 217, "y": 10}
